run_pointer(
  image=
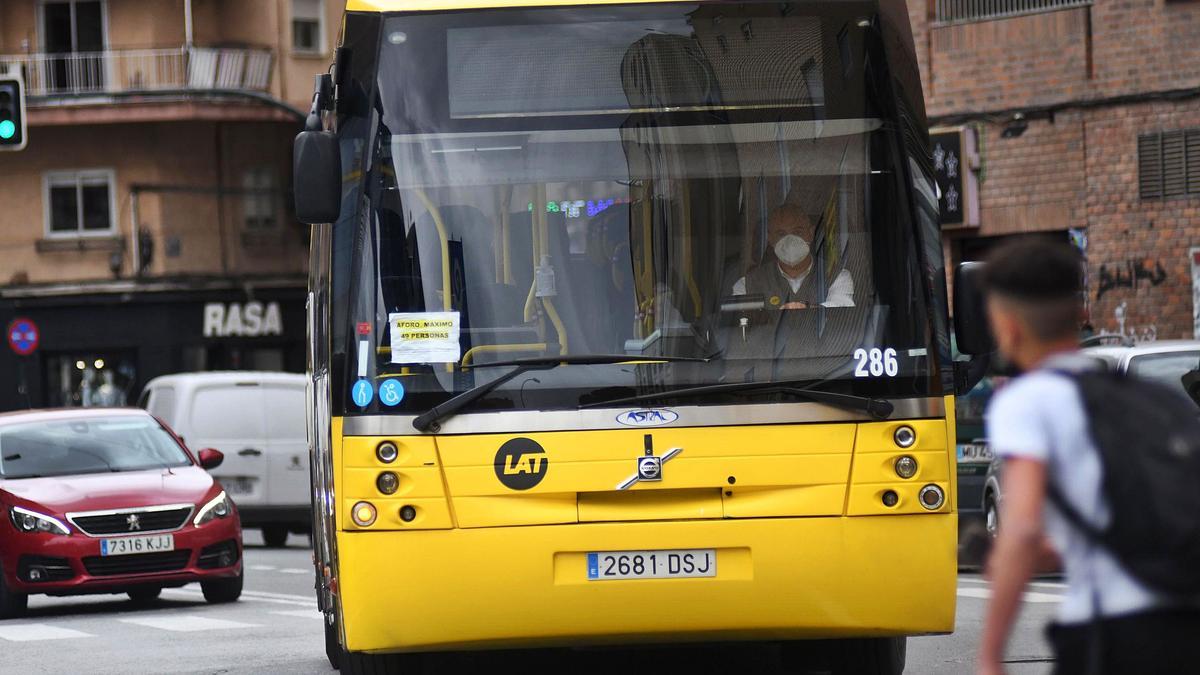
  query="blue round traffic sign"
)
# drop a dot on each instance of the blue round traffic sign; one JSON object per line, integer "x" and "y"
{"x": 362, "y": 392}
{"x": 23, "y": 336}
{"x": 391, "y": 392}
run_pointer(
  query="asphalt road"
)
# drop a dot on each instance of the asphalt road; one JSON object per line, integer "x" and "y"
{"x": 275, "y": 628}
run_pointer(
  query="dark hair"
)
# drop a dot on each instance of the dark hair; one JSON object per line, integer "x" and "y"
{"x": 1040, "y": 280}
{"x": 1034, "y": 270}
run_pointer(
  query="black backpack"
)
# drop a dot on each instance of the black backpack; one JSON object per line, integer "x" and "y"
{"x": 1148, "y": 438}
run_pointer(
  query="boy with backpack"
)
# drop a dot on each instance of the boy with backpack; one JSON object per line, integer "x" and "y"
{"x": 1101, "y": 469}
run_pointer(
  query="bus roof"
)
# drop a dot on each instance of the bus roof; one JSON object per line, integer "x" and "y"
{"x": 438, "y": 5}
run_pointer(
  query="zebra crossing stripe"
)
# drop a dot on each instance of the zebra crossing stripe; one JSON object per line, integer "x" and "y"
{"x": 30, "y": 632}
{"x": 302, "y": 613}
{"x": 186, "y": 623}
{"x": 1030, "y": 596}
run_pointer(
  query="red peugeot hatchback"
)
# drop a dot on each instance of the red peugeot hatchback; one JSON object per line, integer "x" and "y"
{"x": 110, "y": 501}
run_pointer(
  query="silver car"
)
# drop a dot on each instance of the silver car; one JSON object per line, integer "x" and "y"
{"x": 1165, "y": 361}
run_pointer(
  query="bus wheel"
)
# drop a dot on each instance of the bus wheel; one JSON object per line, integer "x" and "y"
{"x": 275, "y": 536}
{"x": 12, "y": 604}
{"x": 863, "y": 656}
{"x": 876, "y": 656}
{"x": 358, "y": 663}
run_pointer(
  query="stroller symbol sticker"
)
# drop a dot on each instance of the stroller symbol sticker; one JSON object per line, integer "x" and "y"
{"x": 391, "y": 392}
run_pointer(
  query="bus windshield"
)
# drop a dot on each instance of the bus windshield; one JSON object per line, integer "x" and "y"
{"x": 713, "y": 181}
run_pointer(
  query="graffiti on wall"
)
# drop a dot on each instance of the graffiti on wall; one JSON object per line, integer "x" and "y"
{"x": 1195, "y": 256}
{"x": 1129, "y": 274}
{"x": 1146, "y": 333}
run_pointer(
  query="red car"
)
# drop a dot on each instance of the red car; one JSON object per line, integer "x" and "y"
{"x": 110, "y": 501}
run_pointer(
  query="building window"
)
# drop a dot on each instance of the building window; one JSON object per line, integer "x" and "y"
{"x": 259, "y": 198}
{"x": 308, "y": 22}
{"x": 1169, "y": 164}
{"x": 79, "y": 203}
{"x": 961, "y": 11}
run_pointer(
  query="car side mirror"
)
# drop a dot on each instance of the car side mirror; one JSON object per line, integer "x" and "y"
{"x": 317, "y": 177}
{"x": 1191, "y": 384}
{"x": 210, "y": 458}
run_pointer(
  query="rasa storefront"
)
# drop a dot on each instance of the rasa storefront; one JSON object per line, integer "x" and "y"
{"x": 99, "y": 348}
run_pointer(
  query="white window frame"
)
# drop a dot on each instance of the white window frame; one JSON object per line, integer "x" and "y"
{"x": 39, "y": 17}
{"x": 270, "y": 194}
{"x": 321, "y": 47}
{"x": 58, "y": 179}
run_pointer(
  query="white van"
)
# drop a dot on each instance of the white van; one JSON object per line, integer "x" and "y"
{"x": 257, "y": 420}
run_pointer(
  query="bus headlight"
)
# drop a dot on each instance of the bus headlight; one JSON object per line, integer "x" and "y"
{"x": 387, "y": 452}
{"x": 932, "y": 497}
{"x": 906, "y": 467}
{"x": 32, "y": 521}
{"x": 363, "y": 514}
{"x": 387, "y": 482}
{"x": 218, "y": 507}
{"x": 904, "y": 436}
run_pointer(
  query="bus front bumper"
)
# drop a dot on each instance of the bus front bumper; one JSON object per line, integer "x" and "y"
{"x": 778, "y": 578}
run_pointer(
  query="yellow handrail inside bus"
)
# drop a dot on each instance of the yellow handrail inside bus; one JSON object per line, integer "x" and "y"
{"x": 444, "y": 238}
{"x": 547, "y": 301}
{"x": 502, "y": 349}
{"x": 693, "y": 290}
{"x": 535, "y": 245}
{"x": 506, "y": 276}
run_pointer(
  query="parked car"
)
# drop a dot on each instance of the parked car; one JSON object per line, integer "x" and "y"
{"x": 258, "y": 420}
{"x": 110, "y": 501}
{"x": 1165, "y": 361}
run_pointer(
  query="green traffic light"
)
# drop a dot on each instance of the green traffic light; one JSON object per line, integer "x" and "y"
{"x": 7, "y": 130}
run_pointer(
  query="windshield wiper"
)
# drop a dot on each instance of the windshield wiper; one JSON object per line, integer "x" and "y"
{"x": 429, "y": 419}
{"x": 877, "y": 408}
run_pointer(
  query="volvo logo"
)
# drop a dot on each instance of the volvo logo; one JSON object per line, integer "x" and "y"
{"x": 647, "y": 418}
{"x": 649, "y": 467}
{"x": 133, "y": 522}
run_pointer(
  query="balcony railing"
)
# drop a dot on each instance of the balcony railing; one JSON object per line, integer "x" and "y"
{"x": 959, "y": 11}
{"x": 112, "y": 72}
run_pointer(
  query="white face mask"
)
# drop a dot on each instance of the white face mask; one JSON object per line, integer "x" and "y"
{"x": 791, "y": 250}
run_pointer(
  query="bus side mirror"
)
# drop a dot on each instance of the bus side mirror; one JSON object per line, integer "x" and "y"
{"x": 317, "y": 177}
{"x": 971, "y": 329}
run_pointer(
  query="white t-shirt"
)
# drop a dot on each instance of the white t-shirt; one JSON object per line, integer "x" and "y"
{"x": 1040, "y": 416}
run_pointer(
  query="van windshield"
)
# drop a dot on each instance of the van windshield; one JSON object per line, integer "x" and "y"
{"x": 87, "y": 445}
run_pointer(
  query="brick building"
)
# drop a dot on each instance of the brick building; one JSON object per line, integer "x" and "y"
{"x": 1085, "y": 121}
{"x": 146, "y": 227}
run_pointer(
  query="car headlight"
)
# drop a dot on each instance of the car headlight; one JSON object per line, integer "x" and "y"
{"x": 218, "y": 507}
{"x": 32, "y": 521}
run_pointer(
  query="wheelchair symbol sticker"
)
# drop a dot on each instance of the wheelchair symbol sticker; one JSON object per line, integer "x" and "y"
{"x": 391, "y": 392}
{"x": 362, "y": 392}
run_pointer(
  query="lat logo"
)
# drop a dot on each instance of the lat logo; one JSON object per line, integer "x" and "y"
{"x": 521, "y": 463}
{"x": 655, "y": 417}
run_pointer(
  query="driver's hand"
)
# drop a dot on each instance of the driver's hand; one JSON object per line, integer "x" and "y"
{"x": 795, "y": 305}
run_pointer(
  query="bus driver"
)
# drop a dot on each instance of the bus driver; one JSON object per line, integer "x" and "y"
{"x": 780, "y": 342}
{"x": 789, "y": 238}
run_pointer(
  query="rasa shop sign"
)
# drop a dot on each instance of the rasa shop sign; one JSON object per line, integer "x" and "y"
{"x": 236, "y": 319}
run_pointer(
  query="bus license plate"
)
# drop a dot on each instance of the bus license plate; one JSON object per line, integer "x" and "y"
{"x": 605, "y": 565}
{"x": 130, "y": 545}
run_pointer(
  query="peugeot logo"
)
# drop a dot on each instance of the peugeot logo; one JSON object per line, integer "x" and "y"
{"x": 133, "y": 522}
{"x": 649, "y": 467}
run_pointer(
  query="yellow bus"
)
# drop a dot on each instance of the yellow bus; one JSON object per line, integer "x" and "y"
{"x": 628, "y": 325}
